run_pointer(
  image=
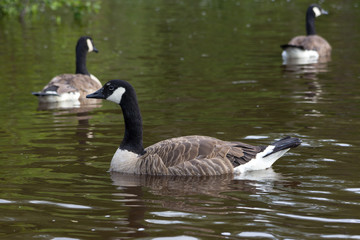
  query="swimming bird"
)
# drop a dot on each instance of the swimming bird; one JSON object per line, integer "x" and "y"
{"x": 311, "y": 46}
{"x": 181, "y": 156}
{"x": 72, "y": 87}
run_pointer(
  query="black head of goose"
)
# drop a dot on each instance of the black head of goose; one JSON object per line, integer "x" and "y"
{"x": 182, "y": 156}
{"x": 72, "y": 87}
{"x": 311, "y": 46}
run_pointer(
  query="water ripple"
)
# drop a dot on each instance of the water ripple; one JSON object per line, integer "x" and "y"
{"x": 157, "y": 221}
{"x": 4, "y": 201}
{"x": 256, "y": 137}
{"x": 341, "y": 236}
{"x": 320, "y": 219}
{"x": 354, "y": 190}
{"x": 256, "y": 235}
{"x": 64, "y": 205}
{"x": 172, "y": 214}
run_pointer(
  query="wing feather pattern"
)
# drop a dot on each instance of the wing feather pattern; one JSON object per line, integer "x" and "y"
{"x": 195, "y": 156}
{"x": 68, "y": 83}
{"x": 312, "y": 42}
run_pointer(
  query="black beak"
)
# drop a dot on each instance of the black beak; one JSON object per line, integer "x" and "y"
{"x": 95, "y": 50}
{"x": 98, "y": 94}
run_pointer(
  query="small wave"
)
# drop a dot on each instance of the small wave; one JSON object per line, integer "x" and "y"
{"x": 256, "y": 137}
{"x": 64, "y": 205}
{"x": 320, "y": 219}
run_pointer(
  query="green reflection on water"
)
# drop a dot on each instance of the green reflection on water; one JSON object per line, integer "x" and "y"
{"x": 209, "y": 67}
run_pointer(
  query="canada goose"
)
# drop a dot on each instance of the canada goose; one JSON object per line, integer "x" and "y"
{"x": 71, "y": 87}
{"x": 311, "y": 46}
{"x": 189, "y": 155}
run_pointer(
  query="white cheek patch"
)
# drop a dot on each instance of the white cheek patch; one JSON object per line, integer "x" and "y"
{"x": 316, "y": 11}
{"x": 90, "y": 46}
{"x": 116, "y": 95}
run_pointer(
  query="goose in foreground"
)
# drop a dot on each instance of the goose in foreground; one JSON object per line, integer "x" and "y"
{"x": 182, "y": 156}
{"x": 72, "y": 87}
{"x": 311, "y": 46}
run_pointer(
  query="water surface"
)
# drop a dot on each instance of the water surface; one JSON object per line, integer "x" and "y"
{"x": 211, "y": 68}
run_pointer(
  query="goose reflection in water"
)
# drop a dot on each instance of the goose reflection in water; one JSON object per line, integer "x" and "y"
{"x": 206, "y": 185}
{"x": 81, "y": 105}
{"x": 63, "y": 117}
{"x": 171, "y": 199}
{"x": 309, "y": 71}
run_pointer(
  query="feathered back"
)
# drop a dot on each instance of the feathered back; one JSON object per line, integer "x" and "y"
{"x": 312, "y": 42}
{"x": 195, "y": 156}
{"x": 67, "y": 83}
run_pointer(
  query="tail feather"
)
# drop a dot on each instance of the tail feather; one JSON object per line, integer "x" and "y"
{"x": 284, "y": 143}
{"x": 286, "y": 46}
{"x": 42, "y": 94}
{"x": 269, "y": 155}
{"x": 49, "y": 91}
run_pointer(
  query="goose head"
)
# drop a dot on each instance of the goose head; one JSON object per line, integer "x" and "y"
{"x": 115, "y": 91}
{"x": 86, "y": 44}
{"x": 122, "y": 93}
{"x": 315, "y": 10}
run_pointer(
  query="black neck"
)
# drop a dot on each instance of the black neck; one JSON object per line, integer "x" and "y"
{"x": 310, "y": 22}
{"x": 133, "y": 137}
{"x": 81, "y": 61}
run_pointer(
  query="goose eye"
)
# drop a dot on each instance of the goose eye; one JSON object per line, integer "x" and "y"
{"x": 111, "y": 88}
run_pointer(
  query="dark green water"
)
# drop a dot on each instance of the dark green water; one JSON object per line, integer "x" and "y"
{"x": 199, "y": 67}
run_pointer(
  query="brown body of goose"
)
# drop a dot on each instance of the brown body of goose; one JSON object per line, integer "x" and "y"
{"x": 193, "y": 156}
{"x": 75, "y": 84}
{"x": 71, "y": 87}
{"x": 312, "y": 42}
{"x": 311, "y": 45}
{"x": 182, "y": 156}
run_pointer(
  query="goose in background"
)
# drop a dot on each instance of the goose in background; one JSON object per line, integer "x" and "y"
{"x": 182, "y": 156}
{"x": 72, "y": 87}
{"x": 310, "y": 47}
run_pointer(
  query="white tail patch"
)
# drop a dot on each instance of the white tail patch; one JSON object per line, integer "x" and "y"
{"x": 90, "y": 45}
{"x": 65, "y": 97}
{"x": 293, "y": 52}
{"x": 260, "y": 162}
